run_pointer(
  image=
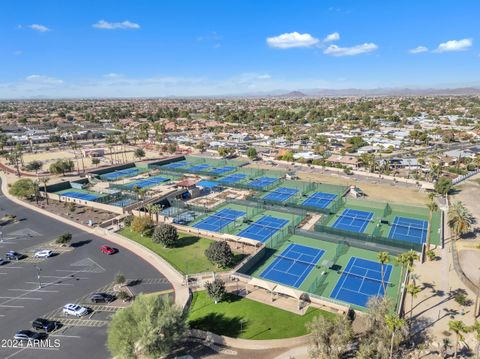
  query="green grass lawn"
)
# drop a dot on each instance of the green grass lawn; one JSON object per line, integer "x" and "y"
{"x": 239, "y": 317}
{"x": 187, "y": 257}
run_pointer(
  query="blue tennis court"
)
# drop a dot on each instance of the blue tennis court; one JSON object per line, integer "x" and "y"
{"x": 361, "y": 280}
{"x": 80, "y": 195}
{"x": 222, "y": 170}
{"x": 409, "y": 230}
{"x": 293, "y": 265}
{"x": 319, "y": 200}
{"x": 353, "y": 220}
{"x": 128, "y": 172}
{"x": 280, "y": 194}
{"x": 262, "y": 182}
{"x": 176, "y": 164}
{"x": 147, "y": 182}
{"x": 218, "y": 220}
{"x": 233, "y": 178}
{"x": 263, "y": 229}
{"x": 201, "y": 167}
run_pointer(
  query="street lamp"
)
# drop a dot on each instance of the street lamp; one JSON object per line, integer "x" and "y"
{"x": 38, "y": 276}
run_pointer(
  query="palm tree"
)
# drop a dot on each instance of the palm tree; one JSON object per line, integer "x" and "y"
{"x": 432, "y": 207}
{"x": 156, "y": 209}
{"x": 383, "y": 258}
{"x": 395, "y": 324}
{"x": 149, "y": 208}
{"x": 461, "y": 220}
{"x": 413, "y": 290}
{"x": 36, "y": 191}
{"x": 459, "y": 328}
{"x": 44, "y": 181}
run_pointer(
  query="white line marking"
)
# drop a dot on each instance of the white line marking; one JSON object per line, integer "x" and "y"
{"x": 49, "y": 283}
{"x": 11, "y": 306}
{"x": 63, "y": 277}
{"x": 65, "y": 336}
{"x": 35, "y": 290}
{"x": 22, "y": 298}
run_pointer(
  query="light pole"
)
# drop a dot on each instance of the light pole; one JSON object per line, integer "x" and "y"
{"x": 38, "y": 276}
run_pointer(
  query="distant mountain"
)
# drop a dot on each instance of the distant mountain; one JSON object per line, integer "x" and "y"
{"x": 293, "y": 94}
{"x": 386, "y": 92}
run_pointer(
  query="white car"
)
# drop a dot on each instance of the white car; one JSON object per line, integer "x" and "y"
{"x": 75, "y": 310}
{"x": 44, "y": 253}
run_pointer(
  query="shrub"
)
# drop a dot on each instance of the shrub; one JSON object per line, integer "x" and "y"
{"x": 219, "y": 253}
{"x": 216, "y": 290}
{"x": 23, "y": 188}
{"x": 64, "y": 238}
{"x": 165, "y": 234}
{"x": 431, "y": 255}
{"x": 128, "y": 221}
{"x": 119, "y": 279}
{"x": 141, "y": 224}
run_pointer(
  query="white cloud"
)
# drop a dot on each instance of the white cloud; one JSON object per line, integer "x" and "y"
{"x": 418, "y": 50}
{"x": 105, "y": 25}
{"x": 39, "y": 28}
{"x": 334, "y": 36}
{"x": 264, "y": 77}
{"x": 112, "y": 75}
{"x": 335, "y": 50}
{"x": 44, "y": 80}
{"x": 454, "y": 45}
{"x": 291, "y": 40}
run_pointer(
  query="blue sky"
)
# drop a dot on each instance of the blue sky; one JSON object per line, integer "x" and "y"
{"x": 161, "y": 48}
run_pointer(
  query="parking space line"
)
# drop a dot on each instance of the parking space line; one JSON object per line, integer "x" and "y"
{"x": 11, "y": 306}
{"x": 21, "y": 298}
{"x": 30, "y": 348}
{"x": 11, "y": 267}
{"x": 64, "y": 336}
{"x": 34, "y": 290}
{"x": 50, "y": 283}
{"x": 61, "y": 277}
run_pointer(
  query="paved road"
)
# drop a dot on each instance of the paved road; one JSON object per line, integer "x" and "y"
{"x": 69, "y": 277}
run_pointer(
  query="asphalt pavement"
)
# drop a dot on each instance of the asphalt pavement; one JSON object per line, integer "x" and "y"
{"x": 31, "y": 288}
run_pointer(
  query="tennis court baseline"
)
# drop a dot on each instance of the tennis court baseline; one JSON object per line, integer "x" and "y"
{"x": 353, "y": 220}
{"x": 263, "y": 229}
{"x": 293, "y": 265}
{"x": 147, "y": 182}
{"x": 218, "y": 220}
{"x": 409, "y": 230}
{"x": 233, "y": 178}
{"x": 361, "y": 280}
{"x": 262, "y": 182}
{"x": 80, "y": 195}
{"x": 319, "y": 199}
{"x": 280, "y": 194}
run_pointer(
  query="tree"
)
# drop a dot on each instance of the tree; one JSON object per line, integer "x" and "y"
{"x": 44, "y": 180}
{"x": 23, "y": 188}
{"x": 216, "y": 290}
{"x": 460, "y": 219}
{"x": 288, "y": 156}
{"x": 252, "y": 153}
{"x": 443, "y": 185}
{"x": 395, "y": 324}
{"x": 329, "y": 339}
{"x": 165, "y": 234}
{"x": 61, "y": 167}
{"x": 141, "y": 224}
{"x": 34, "y": 166}
{"x": 219, "y": 253}
{"x": 139, "y": 153}
{"x": 432, "y": 207}
{"x": 459, "y": 328}
{"x": 149, "y": 328}
{"x": 95, "y": 161}
{"x": 156, "y": 210}
{"x": 119, "y": 279}
{"x": 383, "y": 258}
{"x": 413, "y": 290}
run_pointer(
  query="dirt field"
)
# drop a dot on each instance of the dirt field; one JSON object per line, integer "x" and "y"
{"x": 49, "y": 157}
{"x": 469, "y": 194}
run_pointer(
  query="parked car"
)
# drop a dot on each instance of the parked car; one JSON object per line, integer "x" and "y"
{"x": 2, "y": 261}
{"x": 107, "y": 249}
{"x": 75, "y": 310}
{"x": 44, "y": 253}
{"x": 12, "y": 255}
{"x": 102, "y": 298}
{"x": 23, "y": 335}
{"x": 44, "y": 324}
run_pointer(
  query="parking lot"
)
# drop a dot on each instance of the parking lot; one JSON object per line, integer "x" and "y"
{"x": 40, "y": 287}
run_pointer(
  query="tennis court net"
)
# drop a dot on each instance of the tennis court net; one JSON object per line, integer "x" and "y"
{"x": 367, "y": 278}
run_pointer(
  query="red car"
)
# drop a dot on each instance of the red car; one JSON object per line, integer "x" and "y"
{"x": 107, "y": 250}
